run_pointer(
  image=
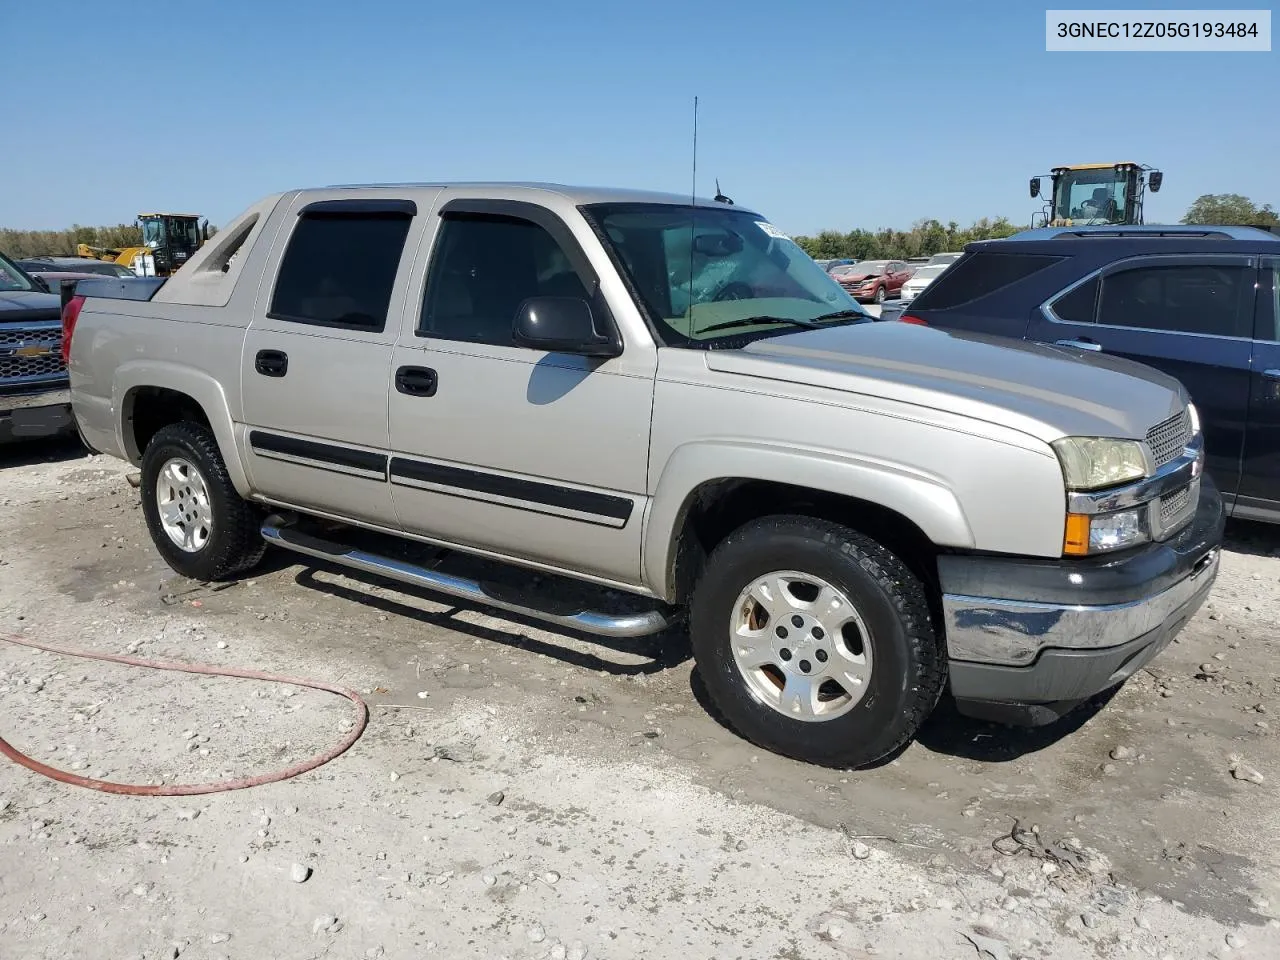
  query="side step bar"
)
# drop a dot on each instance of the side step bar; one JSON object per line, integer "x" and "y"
{"x": 276, "y": 531}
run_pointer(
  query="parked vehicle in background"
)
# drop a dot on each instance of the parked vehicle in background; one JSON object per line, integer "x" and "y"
{"x": 872, "y": 281}
{"x": 944, "y": 258}
{"x": 832, "y": 264}
{"x": 55, "y": 271}
{"x": 924, "y": 275}
{"x": 1199, "y": 303}
{"x": 34, "y": 399}
{"x": 544, "y": 376}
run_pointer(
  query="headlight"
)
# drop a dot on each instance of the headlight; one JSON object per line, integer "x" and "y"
{"x": 1091, "y": 463}
{"x": 1104, "y": 532}
{"x": 1195, "y": 417}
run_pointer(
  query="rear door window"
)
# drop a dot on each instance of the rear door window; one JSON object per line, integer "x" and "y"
{"x": 1079, "y": 304}
{"x": 338, "y": 270}
{"x": 1205, "y": 299}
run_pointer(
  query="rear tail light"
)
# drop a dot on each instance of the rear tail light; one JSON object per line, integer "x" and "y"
{"x": 911, "y": 318}
{"x": 70, "y": 314}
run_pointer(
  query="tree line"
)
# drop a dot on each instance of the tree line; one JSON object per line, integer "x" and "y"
{"x": 925, "y": 238}
{"x": 59, "y": 243}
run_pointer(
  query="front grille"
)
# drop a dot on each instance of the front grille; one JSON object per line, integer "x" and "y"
{"x": 47, "y": 365}
{"x": 1174, "y": 504}
{"x": 1176, "y": 509}
{"x": 30, "y": 352}
{"x": 1169, "y": 438}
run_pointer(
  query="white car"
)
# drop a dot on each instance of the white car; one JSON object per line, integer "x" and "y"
{"x": 921, "y": 279}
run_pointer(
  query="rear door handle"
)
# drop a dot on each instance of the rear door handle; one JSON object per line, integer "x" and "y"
{"x": 417, "y": 381}
{"x": 271, "y": 363}
{"x": 1081, "y": 343}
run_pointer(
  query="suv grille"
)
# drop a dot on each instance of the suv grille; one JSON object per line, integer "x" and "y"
{"x": 1168, "y": 438}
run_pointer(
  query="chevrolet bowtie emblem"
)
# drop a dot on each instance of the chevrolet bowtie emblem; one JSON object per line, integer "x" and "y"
{"x": 37, "y": 350}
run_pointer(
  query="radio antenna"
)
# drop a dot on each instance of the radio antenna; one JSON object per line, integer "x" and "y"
{"x": 693, "y": 208}
{"x": 693, "y": 192}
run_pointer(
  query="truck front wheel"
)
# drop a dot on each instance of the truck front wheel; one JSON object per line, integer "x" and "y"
{"x": 198, "y": 522}
{"x": 815, "y": 641}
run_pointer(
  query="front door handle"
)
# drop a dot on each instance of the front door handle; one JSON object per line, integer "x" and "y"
{"x": 417, "y": 381}
{"x": 271, "y": 363}
{"x": 1081, "y": 343}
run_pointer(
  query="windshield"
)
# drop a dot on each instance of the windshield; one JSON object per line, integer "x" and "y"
{"x": 865, "y": 269}
{"x": 697, "y": 268}
{"x": 12, "y": 278}
{"x": 945, "y": 258}
{"x": 1093, "y": 196}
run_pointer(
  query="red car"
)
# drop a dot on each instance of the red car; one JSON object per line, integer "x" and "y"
{"x": 873, "y": 280}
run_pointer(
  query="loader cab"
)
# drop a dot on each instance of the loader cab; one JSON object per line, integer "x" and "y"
{"x": 171, "y": 239}
{"x": 1097, "y": 194}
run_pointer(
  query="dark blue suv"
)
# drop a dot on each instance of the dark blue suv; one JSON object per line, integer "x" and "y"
{"x": 1200, "y": 303}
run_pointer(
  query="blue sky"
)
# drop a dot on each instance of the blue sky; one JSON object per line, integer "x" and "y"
{"x": 207, "y": 107}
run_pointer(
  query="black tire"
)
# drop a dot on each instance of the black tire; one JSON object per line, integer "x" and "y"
{"x": 881, "y": 295}
{"x": 908, "y": 668}
{"x": 234, "y": 543}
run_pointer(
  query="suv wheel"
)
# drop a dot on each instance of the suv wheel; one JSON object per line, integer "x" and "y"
{"x": 815, "y": 641}
{"x": 197, "y": 520}
{"x": 880, "y": 294}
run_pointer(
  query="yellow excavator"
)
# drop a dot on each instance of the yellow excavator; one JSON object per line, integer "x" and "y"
{"x": 168, "y": 241}
{"x": 1095, "y": 193}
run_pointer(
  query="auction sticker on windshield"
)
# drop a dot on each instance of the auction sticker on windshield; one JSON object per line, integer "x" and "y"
{"x": 771, "y": 230}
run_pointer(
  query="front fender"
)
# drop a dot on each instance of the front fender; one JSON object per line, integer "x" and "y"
{"x": 198, "y": 385}
{"x": 921, "y": 498}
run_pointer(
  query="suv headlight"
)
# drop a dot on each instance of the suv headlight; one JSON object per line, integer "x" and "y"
{"x": 1092, "y": 463}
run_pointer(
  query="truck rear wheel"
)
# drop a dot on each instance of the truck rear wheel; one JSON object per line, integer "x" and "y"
{"x": 198, "y": 522}
{"x": 815, "y": 641}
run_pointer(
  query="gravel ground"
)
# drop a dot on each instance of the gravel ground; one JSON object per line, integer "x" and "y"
{"x": 522, "y": 793}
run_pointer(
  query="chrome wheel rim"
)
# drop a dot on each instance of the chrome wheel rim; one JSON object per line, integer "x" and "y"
{"x": 801, "y": 646}
{"x": 182, "y": 499}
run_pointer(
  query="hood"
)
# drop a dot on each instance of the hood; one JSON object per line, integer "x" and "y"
{"x": 1045, "y": 391}
{"x": 27, "y": 300}
{"x": 857, "y": 277}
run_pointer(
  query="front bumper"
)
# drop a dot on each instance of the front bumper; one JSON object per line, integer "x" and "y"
{"x": 1027, "y": 640}
{"x": 35, "y": 413}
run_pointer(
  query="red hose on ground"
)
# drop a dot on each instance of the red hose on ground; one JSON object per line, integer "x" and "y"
{"x": 189, "y": 789}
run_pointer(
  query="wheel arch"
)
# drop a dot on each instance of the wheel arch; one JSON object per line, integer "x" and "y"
{"x": 149, "y": 395}
{"x": 707, "y": 490}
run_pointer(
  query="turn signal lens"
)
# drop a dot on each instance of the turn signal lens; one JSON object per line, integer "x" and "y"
{"x": 1076, "y": 541}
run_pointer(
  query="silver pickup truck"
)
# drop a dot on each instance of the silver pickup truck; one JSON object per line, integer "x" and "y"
{"x": 668, "y": 398}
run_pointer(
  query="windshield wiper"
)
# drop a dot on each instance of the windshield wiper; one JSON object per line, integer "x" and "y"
{"x": 760, "y": 321}
{"x": 844, "y": 315}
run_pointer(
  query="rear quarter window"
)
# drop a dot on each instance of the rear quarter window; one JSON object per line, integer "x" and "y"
{"x": 979, "y": 274}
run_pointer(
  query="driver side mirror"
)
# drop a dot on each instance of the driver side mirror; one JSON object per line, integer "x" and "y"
{"x": 1155, "y": 180}
{"x": 562, "y": 325}
{"x": 1035, "y": 187}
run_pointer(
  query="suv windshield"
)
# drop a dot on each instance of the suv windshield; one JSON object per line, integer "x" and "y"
{"x": 12, "y": 278}
{"x": 704, "y": 274}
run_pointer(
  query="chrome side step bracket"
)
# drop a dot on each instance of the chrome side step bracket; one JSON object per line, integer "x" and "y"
{"x": 278, "y": 532}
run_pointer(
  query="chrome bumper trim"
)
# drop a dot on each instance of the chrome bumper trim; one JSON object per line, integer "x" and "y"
{"x": 30, "y": 401}
{"x": 1014, "y": 632}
